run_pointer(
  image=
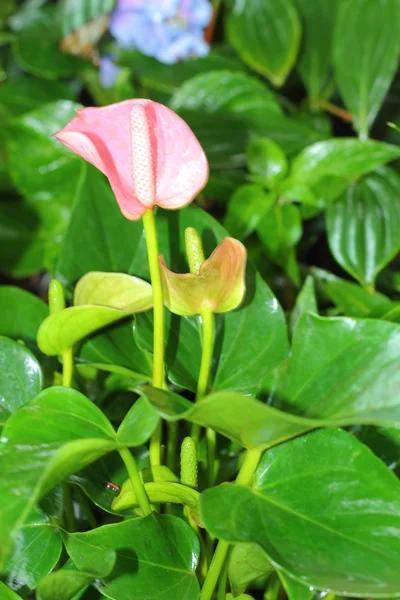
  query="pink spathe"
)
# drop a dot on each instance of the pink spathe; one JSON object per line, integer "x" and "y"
{"x": 149, "y": 154}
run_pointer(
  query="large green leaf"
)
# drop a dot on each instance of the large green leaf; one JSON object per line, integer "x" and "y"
{"x": 365, "y": 53}
{"x": 317, "y": 19}
{"x": 343, "y": 368}
{"x": 36, "y": 550}
{"x": 30, "y": 235}
{"x": 20, "y": 377}
{"x": 343, "y": 535}
{"x": 246, "y": 208}
{"x": 305, "y": 302}
{"x": 37, "y": 50}
{"x": 7, "y": 593}
{"x": 156, "y": 557}
{"x": 18, "y": 96}
{"x": 21, "y": 313}
{"x": 266, "y": 35}
{"x": 328, "y": 167}
{"x": 41, "y": 167}
{"x": 363, "y": 226}
{"x": 138, "y": 425}
{"x": 64, "y": 432}
{"x": 351, "y": 299}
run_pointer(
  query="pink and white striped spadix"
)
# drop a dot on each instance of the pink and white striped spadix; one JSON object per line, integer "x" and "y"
{"x": 149, "y": 154}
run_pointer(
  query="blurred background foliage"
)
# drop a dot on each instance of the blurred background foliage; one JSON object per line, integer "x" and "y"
{"x": 291, "y": 100}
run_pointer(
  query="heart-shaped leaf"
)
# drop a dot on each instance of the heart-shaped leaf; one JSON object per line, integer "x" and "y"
{"x": 157, "y": 570}
{"x": 354, "y": 505}
{"x": 20, "y": 377}
{"x": 65, "y": 432}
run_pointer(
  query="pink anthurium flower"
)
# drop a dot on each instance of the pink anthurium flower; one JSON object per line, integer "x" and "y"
{"x": 219, "y": 285}
{"x": 149, "y": 154}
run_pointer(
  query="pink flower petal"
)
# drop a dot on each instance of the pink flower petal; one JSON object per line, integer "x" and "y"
{"x": 103, "y": 137}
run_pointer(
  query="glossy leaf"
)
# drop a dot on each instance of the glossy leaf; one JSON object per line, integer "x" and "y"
{"x": 21, "y": 313}
{"x": 305, "y": 302}
{"x": 64, "y": 432}
{"x": 365, "y": 53}
{"x": 363, "y": 226}
{"x": 52, "y": 172}
{"x": 64, "y": 584}
{"x": 37, "y": 47}
{"x": 351, "y": 299}
{"x": 18, "y": 96}
{"x": 328, "y": 167}
{"x": 266, "y": 35}
{"x": 352, "y": 491}
{"x": 266, "y": 161}
{"x": 246, "y": 208}
{"x": 248, "y": 564}
{"x": 157, "y": 570}
{"x": 318, "y": 20}
{"x": 36, "y": 550}
{"x": 343, "y": 368}
{"x": 138, "y": 425}
{"x": 20, "y": 377}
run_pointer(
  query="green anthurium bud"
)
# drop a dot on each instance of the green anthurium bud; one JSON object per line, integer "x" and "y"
{"x": 218, "y": 287}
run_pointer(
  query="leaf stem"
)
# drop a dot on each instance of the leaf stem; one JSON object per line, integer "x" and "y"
{"x": 137, "y": 483}
{"x": 158, "y": 319}
{"x": 244, "y": 477}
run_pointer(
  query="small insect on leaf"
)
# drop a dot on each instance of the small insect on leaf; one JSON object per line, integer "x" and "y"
{"x": 112, "y": 486}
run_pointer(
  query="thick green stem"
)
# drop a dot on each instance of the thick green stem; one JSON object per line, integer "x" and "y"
{"x": 136, "y": 481}
{"x": 158, "y": 322}
{"x": 244, "y": 477}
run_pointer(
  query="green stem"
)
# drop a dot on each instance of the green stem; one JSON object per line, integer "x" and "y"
{"x": 172, "y": 429}
{"x": 244, "y": 477}
{"x": 68, "y": 367}
{"x": 158, "y": 322}
{"x": 207, "y": 347}
{"x": 70, "y": 522}
{"x": 136, "y": 481}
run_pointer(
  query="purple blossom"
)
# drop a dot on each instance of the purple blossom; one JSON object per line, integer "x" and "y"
{"x": 108, "y": 72}
{"x": 169, "y": 30}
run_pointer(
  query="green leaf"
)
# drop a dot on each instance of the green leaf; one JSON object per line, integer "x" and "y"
{"x": 343, "y": 368}
{"x": 317, "y": 19}
{"x": 305, "y": 302}
{"x": 37, "y": 50}
{"x": 7, "y": 593}
{"x": 328, "y": 167}
{"x": 383, "y": 441}
{"x": 246, "y": 208}
{"x": 75, "y": 13}
{"x": 21, "y": 313}
{"x": 18, "y": 96}
{"x": 229, "y": 92}
{"x": 20, "y": 377}
{"x": 116, "y": 346}
{"x": 30, "y": 235}
{"x": 266, "y": 161}
{"x": 64, "y": 432}
{"x": 248, "y": 564}
{"x": 348, "y": 508}
{"x": 168, "y": 562}
{"x": 294, "y": 589}
{"x": 49, "y": 171}
{"x": 363, "y": 226}
{"x": 64, "y": 584}
{"x": 36, "y": 550}
{"x": 120, "y": 295}
{"x": 365, "y": 53}
{"x": 350, "y": 298}
{"x": 139, "y": 424}
{"x": 266, "y": 35}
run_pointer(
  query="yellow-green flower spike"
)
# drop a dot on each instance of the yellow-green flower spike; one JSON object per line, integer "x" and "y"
{"x": 189, "y": 462}
{"x": 56, "y": 296}
{"x": 194, "y": 250}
